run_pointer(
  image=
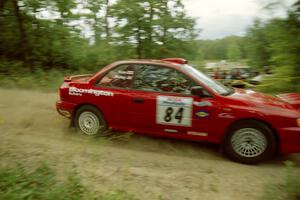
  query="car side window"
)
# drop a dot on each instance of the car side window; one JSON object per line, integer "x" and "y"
{"x": 161, "y": 79}
{"x": 120, "y": 77}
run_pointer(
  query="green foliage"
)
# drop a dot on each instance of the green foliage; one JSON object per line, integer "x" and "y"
{"x": 39, "y": 184}
{"x": 42, "y": 183}
{"x": 233, "y": 52}
{"x": 256, "y": 45}
{"x": 47, "y": 80}
{"x": 143, "y": 29}
{"x": 153, "y": 28}
{"x": 277, "y": 43}
{"x": 34, "y": 47}
{"x": 290, "y": 189}
{"x": 283, "y": 80}
{"x": 231, "y": 48}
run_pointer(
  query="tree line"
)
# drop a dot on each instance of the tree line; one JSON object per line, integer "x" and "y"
{"x": 88, "y": 34}
{"x": 71, "y": 34}
{"x": 274, "y": 43}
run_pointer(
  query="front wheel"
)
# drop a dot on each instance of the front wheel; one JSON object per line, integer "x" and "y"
{"x": 250, "y": 142}
{"x": 90, "y": 121}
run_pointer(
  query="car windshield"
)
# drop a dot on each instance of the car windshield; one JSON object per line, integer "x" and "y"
{"x": 211, "y": 83}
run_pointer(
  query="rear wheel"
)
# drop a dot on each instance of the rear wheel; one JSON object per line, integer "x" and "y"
{"x": 250, "y": 142}
{"x": 90, "y": 121}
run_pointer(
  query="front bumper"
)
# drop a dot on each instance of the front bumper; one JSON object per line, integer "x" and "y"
{"x": 289, "y": 140}
{"x": 65, "y": 108}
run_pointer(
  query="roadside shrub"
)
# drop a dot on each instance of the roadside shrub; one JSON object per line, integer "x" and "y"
{"x": 46, "y": 80}
{"x": 283, "y": 80}
{"x": 39, "y": 79}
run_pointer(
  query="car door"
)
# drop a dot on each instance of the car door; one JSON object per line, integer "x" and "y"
{"x": 118, "y": 110}
{"x": 162, "y": 104}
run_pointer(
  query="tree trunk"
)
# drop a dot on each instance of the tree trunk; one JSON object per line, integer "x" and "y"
{"x": 23, "y": 43}
{"x": 139, "y": 41}
{"x": 107, "y": 30}
{"x": 165, "y": 28}
{"x": 150, "y": 31}
{"x": 2, "y": 2}
{"x": 97, "y": 30}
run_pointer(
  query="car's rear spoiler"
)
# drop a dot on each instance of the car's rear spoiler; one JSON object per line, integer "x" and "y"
{"x": 291, "y": 98}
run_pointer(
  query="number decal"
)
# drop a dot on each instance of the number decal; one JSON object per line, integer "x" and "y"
{"x": 179, "y": 115}
{"x": 174, "y": 110}
{"x": 169, "y": 112}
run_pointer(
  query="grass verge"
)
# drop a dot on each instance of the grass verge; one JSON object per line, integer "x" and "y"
{"x": 288, "y": 190}
{"x": 42, "y": 183}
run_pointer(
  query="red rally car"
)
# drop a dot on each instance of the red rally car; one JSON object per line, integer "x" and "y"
{"x": 170, "y": 98}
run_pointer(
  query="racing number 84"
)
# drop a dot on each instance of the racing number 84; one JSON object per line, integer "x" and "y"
{"x": 176, "y": 111}
{"x": 178, "y": 115}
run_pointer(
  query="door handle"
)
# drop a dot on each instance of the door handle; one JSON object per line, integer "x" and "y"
{"x": 138, "y": 100}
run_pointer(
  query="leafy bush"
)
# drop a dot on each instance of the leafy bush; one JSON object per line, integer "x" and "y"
{"x": 46, "y": 80}
{"x": 283, "y": 80}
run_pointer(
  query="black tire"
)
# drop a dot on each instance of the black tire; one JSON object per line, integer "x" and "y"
{"x": 250, "y": 142}
{"x": 89, "y": 121}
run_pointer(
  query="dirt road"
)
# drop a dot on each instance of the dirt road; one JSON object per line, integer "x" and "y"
{"x": 32, "y": 132}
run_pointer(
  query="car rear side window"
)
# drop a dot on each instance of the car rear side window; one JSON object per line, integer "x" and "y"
{"x": 120, "y": 77}
{"x": 161, "y": 79}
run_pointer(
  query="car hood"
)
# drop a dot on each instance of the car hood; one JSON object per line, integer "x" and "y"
{"x": 291, "y": 98}
{"x": 257, "y": 99}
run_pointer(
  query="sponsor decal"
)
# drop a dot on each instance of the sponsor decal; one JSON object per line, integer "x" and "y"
{"x": 202, "y": 103}
{"x": 78, "y": 92}
{"x": 202, "y": 113}
{"x": 197, "y": 133}
{"x": 226, "y": 115}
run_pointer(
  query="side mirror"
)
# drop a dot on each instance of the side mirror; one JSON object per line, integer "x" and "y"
{"x": 199, "y": 91}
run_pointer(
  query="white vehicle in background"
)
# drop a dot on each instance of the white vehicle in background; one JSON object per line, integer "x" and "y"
{"x": 258, "y": 79}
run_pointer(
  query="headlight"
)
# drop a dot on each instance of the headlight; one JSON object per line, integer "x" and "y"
{"x": 298, "y": 122}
